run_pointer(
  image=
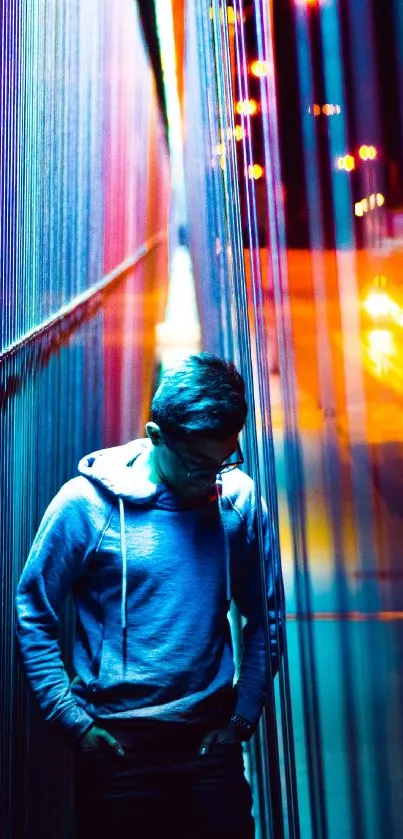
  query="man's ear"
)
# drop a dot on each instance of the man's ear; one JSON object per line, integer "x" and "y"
{"x": 154, "y": 432}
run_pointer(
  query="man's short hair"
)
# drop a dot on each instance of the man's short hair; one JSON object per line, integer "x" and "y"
{"x": 201, "y": 395}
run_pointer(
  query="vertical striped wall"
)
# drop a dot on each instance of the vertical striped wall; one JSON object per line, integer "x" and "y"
{"x": 295, "y": 232}
{"x": 84, "y": 182}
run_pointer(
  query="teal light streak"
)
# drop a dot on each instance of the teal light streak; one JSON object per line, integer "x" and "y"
{"x": 338, "y": 135}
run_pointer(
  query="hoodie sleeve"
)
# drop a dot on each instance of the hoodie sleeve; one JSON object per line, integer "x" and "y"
{"x": 65, "y": 538}
{"x": 251, "y": 688}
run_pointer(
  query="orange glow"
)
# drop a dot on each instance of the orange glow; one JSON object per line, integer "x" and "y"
{"x": 328, "y": 110}
{"x": 239, "y": 133}
{"x": 247, "y": 106}
{"x": 331, "y": 110}
{"x": 259, "y": 68}
{"x": 255, "y": 171}
{"x": 311, "y": 4}
{"x": 230, "y": 15}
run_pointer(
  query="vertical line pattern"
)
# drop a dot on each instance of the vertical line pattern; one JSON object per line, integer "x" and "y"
{"x": 80, "y": 159}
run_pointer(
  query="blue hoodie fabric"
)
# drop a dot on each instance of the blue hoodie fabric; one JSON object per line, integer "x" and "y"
{"x": 151, "y": 577}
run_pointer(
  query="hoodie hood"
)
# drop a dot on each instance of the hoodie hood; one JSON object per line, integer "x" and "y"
{"x": 113, "y": 470}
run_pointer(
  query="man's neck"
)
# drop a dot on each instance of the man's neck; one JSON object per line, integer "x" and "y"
{"x": 153, "y": 473}
{"x": 146, "y": 463}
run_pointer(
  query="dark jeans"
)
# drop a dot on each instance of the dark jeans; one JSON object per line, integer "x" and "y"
{"x": 163, "y": 788}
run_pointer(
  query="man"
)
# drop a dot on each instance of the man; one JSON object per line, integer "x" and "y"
{"x": 153, "y": 539}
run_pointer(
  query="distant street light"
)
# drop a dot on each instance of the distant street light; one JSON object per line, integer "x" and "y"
{"x": 346, "y": 163}
{"x": 255, "y": 171}
{"x": 247, "y": 106}
{"x": 259, "y": 68}
{"x": 368, "y": 152}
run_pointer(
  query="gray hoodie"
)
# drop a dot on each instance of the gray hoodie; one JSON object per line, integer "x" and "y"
{"x": 151, "y": 576}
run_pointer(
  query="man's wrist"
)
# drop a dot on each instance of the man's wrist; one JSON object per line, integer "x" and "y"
{"x": 86, "y": 730}
{"x": 243, "y": 727}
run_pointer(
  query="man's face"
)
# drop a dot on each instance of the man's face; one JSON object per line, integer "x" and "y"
{"x": 190, "y": 468}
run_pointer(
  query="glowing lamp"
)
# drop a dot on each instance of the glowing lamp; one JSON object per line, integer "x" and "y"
{"x": 380, "y": 281}
{"x": 381, "y": 341}
{"x": 255, "y": 171}
{"x": 246, "y": 106}
{"x": 239, "y": 133}
{"x": 380, "y": 199}
{"x": 347, "y": 162}
{"x": 259, "y": 68}
{"x": 367, "y": 152}
{"x": 230, "y": 15}
{"x": 359, "y": 210}
{"x": 379, "y": 304}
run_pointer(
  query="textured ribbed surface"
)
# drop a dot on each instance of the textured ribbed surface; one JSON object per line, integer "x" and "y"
{"x": 323, "y": 372}
{"x": 84, "y": 184}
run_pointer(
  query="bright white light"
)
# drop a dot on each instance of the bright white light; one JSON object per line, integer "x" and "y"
{"x": 378, "y": 304}
{"x": 381, "y": 349}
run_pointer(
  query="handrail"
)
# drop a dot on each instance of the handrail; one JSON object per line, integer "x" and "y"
{"x": 89, "y": 301}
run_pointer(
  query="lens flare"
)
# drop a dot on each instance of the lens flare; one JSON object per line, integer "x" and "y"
{"x": 379, "y": 304}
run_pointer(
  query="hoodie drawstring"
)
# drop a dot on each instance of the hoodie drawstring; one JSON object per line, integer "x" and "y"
{"x": 123, "y": 605}
{"x": 226, "y": 540}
